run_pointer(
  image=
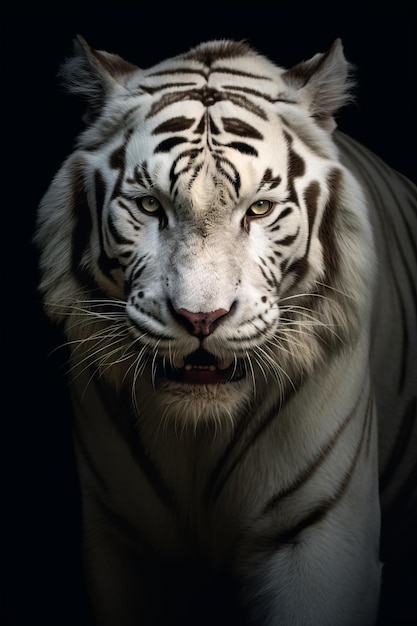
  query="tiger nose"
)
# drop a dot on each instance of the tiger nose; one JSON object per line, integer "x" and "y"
{"x": 200, "y": 323}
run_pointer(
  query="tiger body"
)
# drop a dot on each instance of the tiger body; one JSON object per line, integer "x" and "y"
{"x": 217, "y": 256}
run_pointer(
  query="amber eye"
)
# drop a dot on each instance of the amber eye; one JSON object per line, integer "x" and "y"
{"x": 149, "y": 205}
{"x": 259, "y": 208}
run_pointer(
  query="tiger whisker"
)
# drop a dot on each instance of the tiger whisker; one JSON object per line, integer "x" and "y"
{"x": 153, "y": 365}
{"x": 91, "y": 357}
{"x": 336, "y": 290}
{"x": 133, "y": 394}
{"x": 248, "y": 360}
{"x": 310, "y": 332}
{"x": 99, "y": 334}
{"x": 138, "y": 355}
{"x": 273, "y": 365}
{"x": 260, "y": 362}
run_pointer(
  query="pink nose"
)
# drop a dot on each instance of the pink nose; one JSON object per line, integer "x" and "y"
{"x": 201, "y": 323}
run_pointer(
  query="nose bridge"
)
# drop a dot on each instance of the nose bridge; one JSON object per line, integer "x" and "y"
{"x": 201, "y": 275}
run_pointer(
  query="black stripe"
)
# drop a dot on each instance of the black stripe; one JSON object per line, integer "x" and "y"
{"x": 207, "y": 97}
{"x": 132, "y": 217}
{"x": 289, "y": 535}
{"x": 105, "y": 263}
{"x": 246, "y": 435}
{"x": 243, "y": 148}
{"x": 172, "y": 97}
{"x": 136, "y": 270}
{"x": 295, "y": 168}
{"x": 174, "y": 125}
{"x": 402, "y": 441}
{"x": 178, "y": 70}
{"x": 120, "y": 412}
{"x": 300, "y": 266}
{"x": 276, "y": 223}
{"x": 236, "y": 182}
{"x": 168, "y": 144}
{"x": 234, "y": 72}
{"x": 117, "y": 161}
{"x": 190, "y": 155}
{"x": 269, "y": 181}
{"x": 142, "y": 175}
{"x": 386, "y": 173}
{"x": 248, "y": 105}
{"x": 327, "y": 234}
{"x": 238, "y": 127}
{"x": 311, "y": 195}
{"x": 316, "y": 462}
{"x": 117, "y": 236}
{"x": 161, "y": 87}
{"x": 251, "y": 92}
{"x": 287, "y": 241}
{"x": 388, "y": 230}
{"x": 270, "y": 280}
{"x": 83, "y": 225}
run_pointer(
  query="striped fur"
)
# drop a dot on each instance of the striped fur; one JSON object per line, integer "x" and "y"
{"x": 236, "y": 282}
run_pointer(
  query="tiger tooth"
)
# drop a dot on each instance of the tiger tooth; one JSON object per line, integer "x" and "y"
{"x": 178, "y": 362}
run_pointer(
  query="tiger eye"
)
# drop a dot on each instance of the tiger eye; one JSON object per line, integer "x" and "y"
{"x": 149, "y": 204}
{"x": 259, "y": 208}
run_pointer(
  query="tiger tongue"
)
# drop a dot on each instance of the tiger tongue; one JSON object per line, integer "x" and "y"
{"x": 203, "y": 376}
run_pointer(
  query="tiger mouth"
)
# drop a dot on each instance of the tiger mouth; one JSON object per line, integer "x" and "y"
{"x": 202, "y": 368}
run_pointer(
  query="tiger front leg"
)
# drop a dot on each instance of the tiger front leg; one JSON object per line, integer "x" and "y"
{"x": 130, "y": 585}
{"x": 118, "y": 585}
{"x": 328, "y": 574}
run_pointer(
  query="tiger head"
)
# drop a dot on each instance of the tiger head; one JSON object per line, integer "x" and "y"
{"x": 203, "y": 242}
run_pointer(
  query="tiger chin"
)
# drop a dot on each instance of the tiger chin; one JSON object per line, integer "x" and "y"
{"x": 192, "y": 408}
{"x": 233, "y": 277}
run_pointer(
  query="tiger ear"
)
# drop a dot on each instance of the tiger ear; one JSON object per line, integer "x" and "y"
{"x": 93, "y": 74}
{"x": 323, "y": 83}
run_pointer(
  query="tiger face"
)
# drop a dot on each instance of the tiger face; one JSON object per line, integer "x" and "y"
{"x": 204, "y": 258}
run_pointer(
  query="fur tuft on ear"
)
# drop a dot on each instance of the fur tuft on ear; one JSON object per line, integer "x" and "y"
{"x": 92, "y": 74}
{"x": 323, "y": 83}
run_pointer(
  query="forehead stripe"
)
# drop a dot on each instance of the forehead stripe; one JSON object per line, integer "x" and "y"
{"x": 241, "y": 128}
{"x": 175, "y": 124}
{"x": 234, "y": 72}
{"x": 154, "y": 89}
{"x": 168, "y": 144}
{"x": 178, "y": 70}
{"x": 207, "y": 97}
{"x": 244, "y": 148}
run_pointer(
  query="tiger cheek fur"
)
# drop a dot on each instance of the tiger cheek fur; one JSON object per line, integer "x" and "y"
{"x": 214, "y": 251}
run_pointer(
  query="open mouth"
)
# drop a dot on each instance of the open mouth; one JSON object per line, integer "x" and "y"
{"x": 202, "y": 368}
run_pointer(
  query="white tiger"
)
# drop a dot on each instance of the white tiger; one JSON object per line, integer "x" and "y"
{"x": 235, "y": 282}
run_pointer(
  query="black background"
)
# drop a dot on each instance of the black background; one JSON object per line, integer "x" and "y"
{"x": 39, "y": 126}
